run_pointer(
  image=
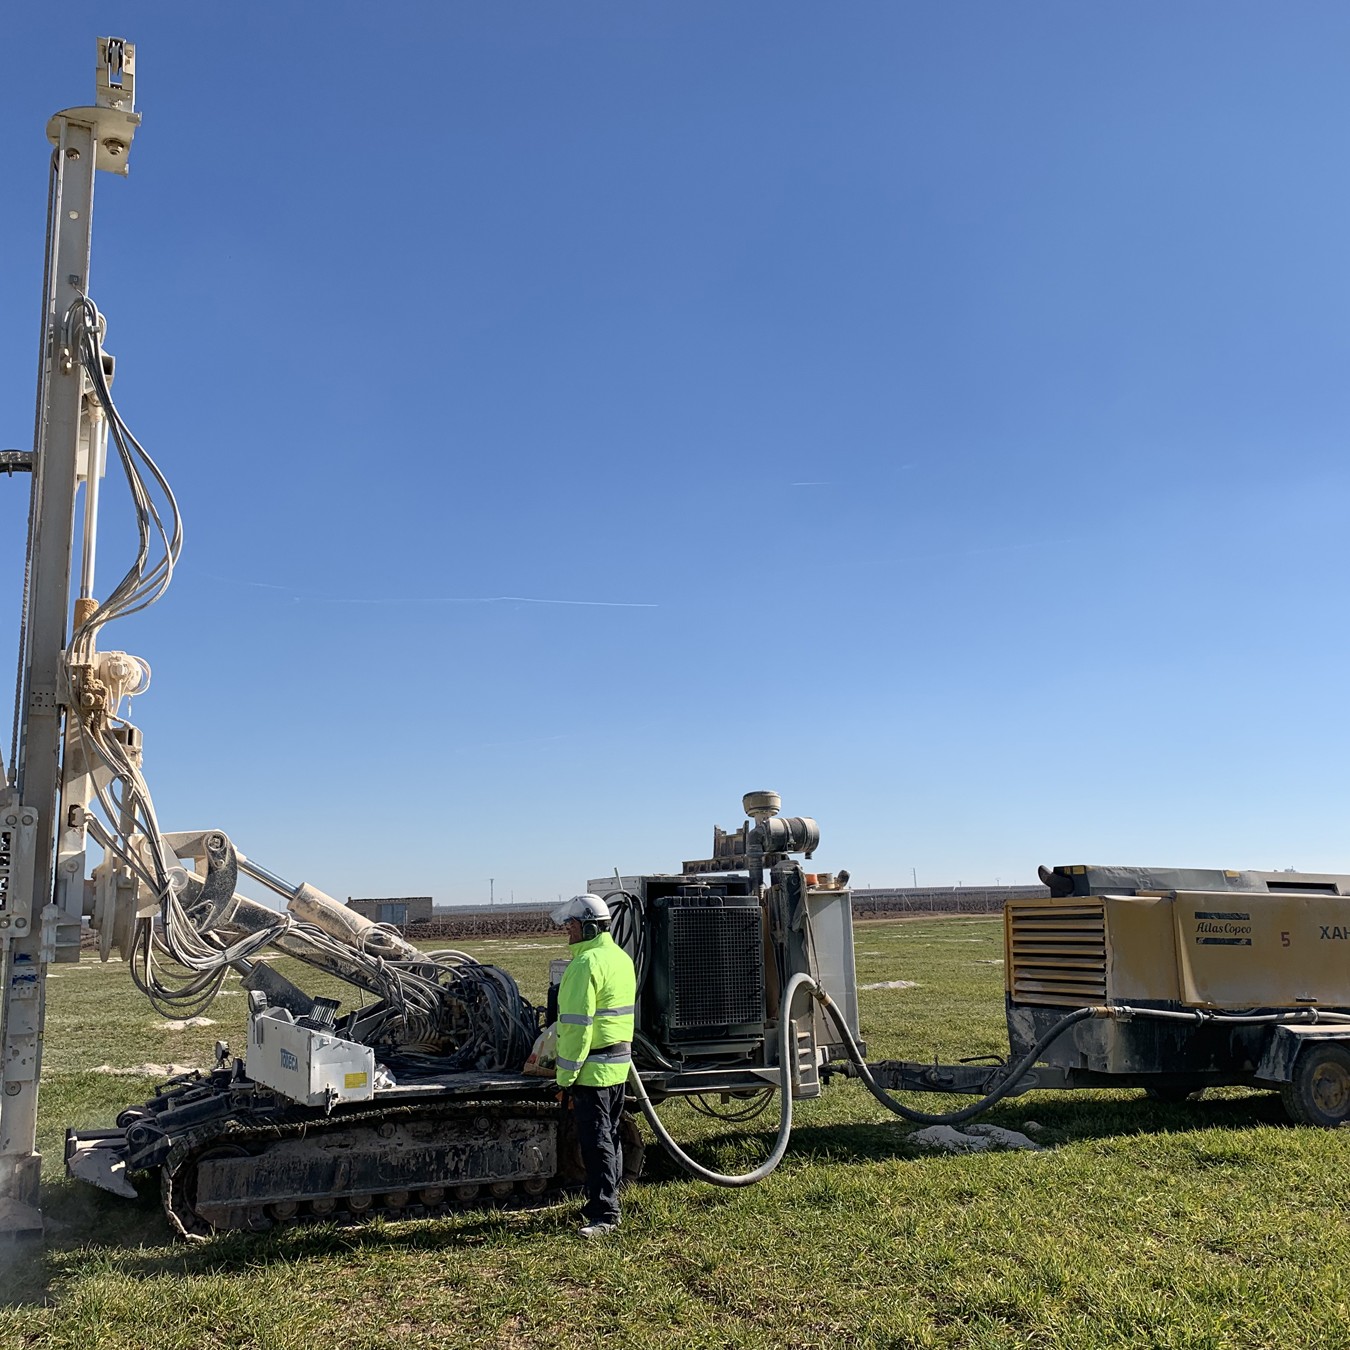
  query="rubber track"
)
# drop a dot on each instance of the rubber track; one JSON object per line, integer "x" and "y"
{"x": 234, "y": 1131}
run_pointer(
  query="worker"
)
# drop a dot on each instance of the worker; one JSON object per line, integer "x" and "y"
{"x": 595, "y": 1050}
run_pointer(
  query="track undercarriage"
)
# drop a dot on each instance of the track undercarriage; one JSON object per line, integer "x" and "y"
{"x": 234, "y": 1156}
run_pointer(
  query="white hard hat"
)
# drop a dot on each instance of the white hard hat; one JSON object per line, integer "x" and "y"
{"x": 584, "y": 907}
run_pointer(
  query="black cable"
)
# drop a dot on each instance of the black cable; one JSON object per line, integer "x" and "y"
{"x": 755, "y": 1108}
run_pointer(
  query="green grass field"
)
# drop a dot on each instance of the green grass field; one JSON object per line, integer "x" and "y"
{"x": 1213, "y": 1224}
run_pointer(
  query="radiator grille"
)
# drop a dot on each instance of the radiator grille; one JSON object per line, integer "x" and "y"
{"x": 717, "y": 967}
{"x": 1058, "y": 954}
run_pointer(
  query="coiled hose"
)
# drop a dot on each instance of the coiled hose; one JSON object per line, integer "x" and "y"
{"x": 780, "y": 1142}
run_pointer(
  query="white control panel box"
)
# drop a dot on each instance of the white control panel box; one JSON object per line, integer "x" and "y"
{"x": 312, "y": 1067}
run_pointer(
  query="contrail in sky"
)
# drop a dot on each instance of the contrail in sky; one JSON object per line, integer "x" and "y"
{"x": 470, "y": 600}
{"x": 431, "y": 599}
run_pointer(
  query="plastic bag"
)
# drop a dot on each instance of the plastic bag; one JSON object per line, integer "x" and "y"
{"x": 543, "y": 1060}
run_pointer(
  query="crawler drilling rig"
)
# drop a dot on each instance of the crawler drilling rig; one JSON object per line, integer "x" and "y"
{"x": 413, "y": 1100}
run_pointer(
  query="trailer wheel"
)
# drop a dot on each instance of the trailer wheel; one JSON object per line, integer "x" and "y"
{"x": 1319, "y": 1092}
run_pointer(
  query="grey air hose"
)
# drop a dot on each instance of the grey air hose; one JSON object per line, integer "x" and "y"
{"x": 780, "y": 1143}
{"x": 1015, "y": 1072}
{"x": 1005, "y": 1085}
{"x": 785, "y": 1028}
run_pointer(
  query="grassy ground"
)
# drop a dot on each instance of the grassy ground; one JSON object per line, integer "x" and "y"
{"x": 1214, "y": 1224}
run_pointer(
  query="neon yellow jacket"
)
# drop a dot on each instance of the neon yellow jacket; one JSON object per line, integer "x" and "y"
{"x": 595, "y": 1012}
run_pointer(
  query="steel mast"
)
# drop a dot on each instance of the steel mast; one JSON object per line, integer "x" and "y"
{"x": 39, "y": 912}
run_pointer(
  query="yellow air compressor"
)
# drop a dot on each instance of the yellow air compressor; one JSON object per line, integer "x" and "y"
{"x": 1172, "y": 980}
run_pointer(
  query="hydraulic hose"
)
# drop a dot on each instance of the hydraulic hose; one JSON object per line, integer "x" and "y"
{"x": 780, "y": 1143}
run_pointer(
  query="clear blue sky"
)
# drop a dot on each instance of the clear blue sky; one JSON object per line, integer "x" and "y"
{"x": 936, "y": 413}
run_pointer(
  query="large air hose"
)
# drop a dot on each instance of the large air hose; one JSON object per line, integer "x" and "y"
{"x": 780, "y": 1142}
{"x": 1005, "y": 1085}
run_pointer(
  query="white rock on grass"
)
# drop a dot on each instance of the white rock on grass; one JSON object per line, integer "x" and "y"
{"x": 975, "y": 1139}
{"x": 949, "y": 1140}
{"x": 891, "y": 984}
{"x": 1001, "y": 1138}
{"x": 185, "y": 1023}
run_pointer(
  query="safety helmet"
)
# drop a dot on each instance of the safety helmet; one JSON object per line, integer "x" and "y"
{"x": 587, "y": 908}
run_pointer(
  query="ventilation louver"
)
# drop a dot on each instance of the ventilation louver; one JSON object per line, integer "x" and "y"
{"x": 1058, "y": 954}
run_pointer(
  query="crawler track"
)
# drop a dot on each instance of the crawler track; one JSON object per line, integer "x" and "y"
{"x": 407, "y": 1162}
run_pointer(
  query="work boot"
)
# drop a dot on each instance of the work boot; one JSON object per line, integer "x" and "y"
{"x": 595, "y": 1230}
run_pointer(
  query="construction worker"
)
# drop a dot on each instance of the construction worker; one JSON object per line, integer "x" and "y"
{"x": 595, "y": 1050}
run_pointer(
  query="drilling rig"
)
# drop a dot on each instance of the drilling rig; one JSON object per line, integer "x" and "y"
{"x": 413, "y": 1099}
{"x": 407, "y": 1102}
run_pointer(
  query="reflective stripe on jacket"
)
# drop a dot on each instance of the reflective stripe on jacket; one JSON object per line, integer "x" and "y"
{"x": 595, "y": 1014}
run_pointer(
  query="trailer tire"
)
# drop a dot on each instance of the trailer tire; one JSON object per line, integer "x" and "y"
{"x": 1319, "y": 1092}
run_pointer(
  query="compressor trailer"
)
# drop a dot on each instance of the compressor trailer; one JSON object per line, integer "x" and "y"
{"x": 1172, "y": 980}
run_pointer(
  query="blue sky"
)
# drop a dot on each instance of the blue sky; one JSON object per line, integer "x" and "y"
{"x": 583, "y": 414}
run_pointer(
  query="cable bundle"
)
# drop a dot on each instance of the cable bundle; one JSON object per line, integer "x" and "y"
{"x": 628, "y": 927}
{"x": 156, "y": 523}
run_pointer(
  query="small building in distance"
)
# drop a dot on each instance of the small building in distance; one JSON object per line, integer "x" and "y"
{"x": 399, "y": 910}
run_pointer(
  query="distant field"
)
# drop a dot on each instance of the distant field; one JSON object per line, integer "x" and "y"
{"x": 1213, "y": 1224}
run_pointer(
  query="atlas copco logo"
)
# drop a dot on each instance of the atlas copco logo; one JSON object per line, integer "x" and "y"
{"x": 1223, "y": 928}
{"x": 289, "y": 1060}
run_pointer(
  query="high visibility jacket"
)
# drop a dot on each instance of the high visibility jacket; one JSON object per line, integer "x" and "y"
{"x": 595, "y": 1014}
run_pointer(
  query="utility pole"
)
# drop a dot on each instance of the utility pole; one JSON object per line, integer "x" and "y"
{"x": 492, "y": 898}
{"x": 914, "y": 872}
{"x": 32, "y": 922}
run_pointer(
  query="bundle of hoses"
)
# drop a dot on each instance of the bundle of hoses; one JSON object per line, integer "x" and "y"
{"x": 1006, "y": 1085}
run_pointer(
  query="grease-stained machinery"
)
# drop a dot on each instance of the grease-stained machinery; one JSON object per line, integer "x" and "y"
{"x": 412, "y": 1098}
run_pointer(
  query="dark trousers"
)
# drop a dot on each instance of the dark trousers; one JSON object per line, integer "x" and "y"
{"x": 598, "y": 1111}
